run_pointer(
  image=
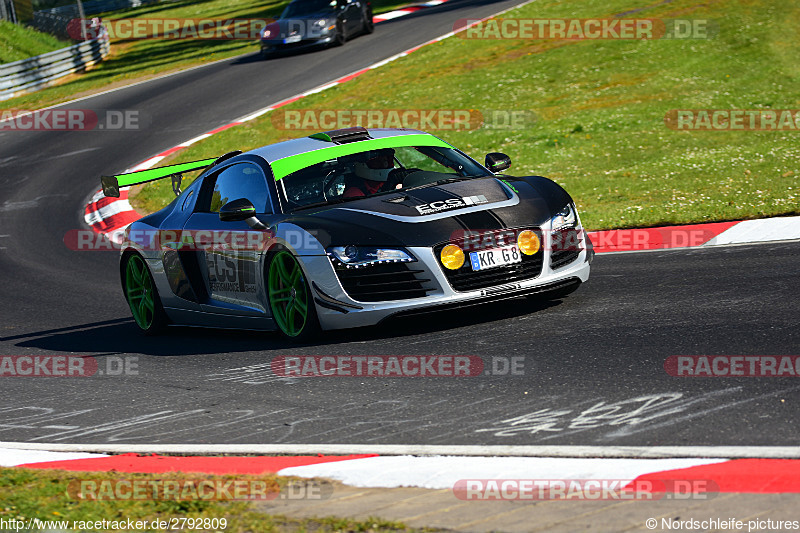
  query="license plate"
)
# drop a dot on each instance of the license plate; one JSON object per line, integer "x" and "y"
{"x": 292, "y": 39}
{"x": 495, "y": 257}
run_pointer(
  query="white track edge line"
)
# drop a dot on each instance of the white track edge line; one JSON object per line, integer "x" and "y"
{"x": 598, "y": 452}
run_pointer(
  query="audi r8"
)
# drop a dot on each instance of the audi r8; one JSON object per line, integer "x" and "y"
{"x": 342, "y": 229}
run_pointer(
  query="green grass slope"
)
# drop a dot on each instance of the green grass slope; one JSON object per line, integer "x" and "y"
{"x": 20, "y": 42}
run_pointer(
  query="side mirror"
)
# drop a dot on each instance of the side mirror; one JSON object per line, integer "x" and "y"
{"x": 497, "y": 162}
{"x": 237, "y": 210}
{"x": 241, "y": 209}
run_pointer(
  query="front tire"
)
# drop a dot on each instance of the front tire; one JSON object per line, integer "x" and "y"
{"x": 369, "y": 23}
{"x": 290, "y": 299}
{"x": 142, "y": 296}
{"x": 339, "y": 37}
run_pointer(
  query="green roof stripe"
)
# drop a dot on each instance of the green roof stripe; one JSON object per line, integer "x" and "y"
{"x": 285, "y": 166}
{"x": 134, "y": 178}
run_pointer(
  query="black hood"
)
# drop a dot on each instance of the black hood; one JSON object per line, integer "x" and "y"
{"x": 433, "y": 215}
{"x": 323, "y": 14}
{"x": 302, "y": 25}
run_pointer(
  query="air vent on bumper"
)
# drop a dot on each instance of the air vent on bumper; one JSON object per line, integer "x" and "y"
{"x": 382, "y": 282}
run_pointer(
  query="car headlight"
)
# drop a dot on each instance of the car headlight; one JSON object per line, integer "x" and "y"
{"x": 320, "y": 23}
{"x": 356, "y": 256}
{"x": 566, "y": 218}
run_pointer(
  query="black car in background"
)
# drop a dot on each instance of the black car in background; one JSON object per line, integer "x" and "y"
{"x": 313, "y": 23}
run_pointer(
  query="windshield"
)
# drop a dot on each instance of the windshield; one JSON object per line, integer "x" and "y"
{"x": 376, "y": 172}
{"x": 307, "y": 7}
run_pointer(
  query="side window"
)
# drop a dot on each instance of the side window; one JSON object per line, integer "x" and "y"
{"x": 410, "y": 157}
{"x": 188, "y": 197}
{"x": 243, "y": 180}
{"x": 188, "y": 194}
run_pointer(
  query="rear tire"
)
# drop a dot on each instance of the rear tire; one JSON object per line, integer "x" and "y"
{"x": 290, "y": 299}
{"x": 142, "y": 296}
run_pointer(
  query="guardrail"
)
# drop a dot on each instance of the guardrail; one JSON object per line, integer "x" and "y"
{"x": 93, "y": 7}
{"x": 56, "y": 19}
{"x": 32, "y": 74}
{"x": 7, "y": 11}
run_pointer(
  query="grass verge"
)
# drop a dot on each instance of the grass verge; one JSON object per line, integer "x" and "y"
{"x": 19, "y": 42}
{"x": 46, "y": 495}
{"x": 134, "y": 60}
{"x": 600, "y": 108}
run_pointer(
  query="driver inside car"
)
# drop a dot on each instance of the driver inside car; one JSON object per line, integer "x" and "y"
{"x": 372, "y": 175}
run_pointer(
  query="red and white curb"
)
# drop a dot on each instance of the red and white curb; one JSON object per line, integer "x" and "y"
{"x": 438, "y": 472}
{"x": 405, "y": 11}
{"x": 697, "y": 235}
{"x": 445, "y": 472}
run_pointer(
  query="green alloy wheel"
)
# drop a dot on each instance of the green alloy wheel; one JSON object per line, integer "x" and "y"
{"x": 142, "y": 296}
{"x": 289, "y": 298}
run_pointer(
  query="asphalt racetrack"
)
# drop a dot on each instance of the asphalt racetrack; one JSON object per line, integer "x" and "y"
{"x": 592, "y": 366}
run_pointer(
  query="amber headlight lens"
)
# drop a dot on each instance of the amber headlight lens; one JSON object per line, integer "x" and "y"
{"x": 452, "y": 257}
{"x": 528, "y": 242}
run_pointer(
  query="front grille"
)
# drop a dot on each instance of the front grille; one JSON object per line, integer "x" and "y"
{"x": 465, "y": 279}
{"x": 382, "y": 282}
{"x": 565, "y": 247}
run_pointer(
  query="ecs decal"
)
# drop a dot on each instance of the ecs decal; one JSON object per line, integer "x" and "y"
{"x": 451, "y": 203}
{"x": 227, "y": 274}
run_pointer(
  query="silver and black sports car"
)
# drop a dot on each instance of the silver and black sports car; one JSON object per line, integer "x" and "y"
{"x": 342, "y": 229}
{"x": 306, "y": 24}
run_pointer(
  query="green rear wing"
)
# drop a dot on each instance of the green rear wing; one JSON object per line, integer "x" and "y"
{"x": 112, "y": 184}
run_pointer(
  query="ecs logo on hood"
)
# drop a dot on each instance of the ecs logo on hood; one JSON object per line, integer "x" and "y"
{"x": 451, "y": 203}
